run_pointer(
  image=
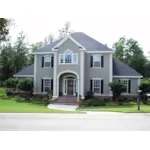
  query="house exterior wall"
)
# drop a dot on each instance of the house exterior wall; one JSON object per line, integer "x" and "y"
{"x": 133, "y": 83}
{"x": 41, "y": 73}
{"x": 103, "y": 73}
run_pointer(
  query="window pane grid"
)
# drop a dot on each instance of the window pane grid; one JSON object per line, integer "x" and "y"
{"x": 47, "y": 61}
{"x": 97, "y": 60}
{"x": 125, "y": 82}
{"x": 47, "y": 83}
{"x": 96, "y": 86}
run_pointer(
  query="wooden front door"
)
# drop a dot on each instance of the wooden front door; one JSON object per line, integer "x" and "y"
{"x": 70, "y": 86}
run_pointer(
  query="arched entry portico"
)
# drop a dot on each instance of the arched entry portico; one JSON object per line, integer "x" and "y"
{"x": 68, "y": 83}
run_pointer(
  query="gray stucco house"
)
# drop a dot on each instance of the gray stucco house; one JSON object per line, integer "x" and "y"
{"x": 78, "y": 64}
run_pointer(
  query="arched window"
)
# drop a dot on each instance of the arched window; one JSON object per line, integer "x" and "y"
{"x": 68, "y": 57}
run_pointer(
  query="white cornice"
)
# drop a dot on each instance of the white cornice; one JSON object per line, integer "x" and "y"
{"x": 23, "y": 75}
{"x": 127, "y": 76}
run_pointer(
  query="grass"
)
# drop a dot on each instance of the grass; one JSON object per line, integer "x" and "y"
{"x": 9, "y": 105}
{"x": 124, "y": 109}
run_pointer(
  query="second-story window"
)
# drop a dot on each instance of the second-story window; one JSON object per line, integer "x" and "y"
{"x": 96, "y": 60}
{"x": 68, "y": 57}
{"x": 47, "y": 61}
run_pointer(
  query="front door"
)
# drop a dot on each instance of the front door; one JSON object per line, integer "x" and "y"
{"x": 70, "y": 86}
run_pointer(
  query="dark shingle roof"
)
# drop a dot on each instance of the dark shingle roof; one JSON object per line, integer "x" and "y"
{"x": 122, "y": 69}
{"x": 29, "y": 70}
{"x": 119, "y": 69}
{"x": 86, "y": 41}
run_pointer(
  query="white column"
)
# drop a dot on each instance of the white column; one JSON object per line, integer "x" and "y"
{"x": 111, "y": 70}
{"x": 55, "y": 84}
{"x": 35, "y": 72}
{"x": 82, "y": 74}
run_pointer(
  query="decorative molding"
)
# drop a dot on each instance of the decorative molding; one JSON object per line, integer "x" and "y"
{"x": 24, "y": 76}
{"x": 64, "y": 40}
{"x": 127, "y": 76}
{"x": 41, "y": 53}
{"x": 100, "y": 52}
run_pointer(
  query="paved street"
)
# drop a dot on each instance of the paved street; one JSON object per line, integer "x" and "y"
{"x": 76, "y": 122}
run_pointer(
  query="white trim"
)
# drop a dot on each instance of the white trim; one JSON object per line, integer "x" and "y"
{"x": 96, "y": 94}
{"x": 100, "y": 52}
{"x": 110, "y": 70}
{"x": 45, "y": 78}
{"x": 50, "y": 61}
{"x": 100, "y": 60}
{"x": 64, "y": 40}
{"x": 36, "y": 53}
{"x": 55, "y": 89}
{"x": 127, "y": 80}
{"x": 139, "y": 82}
{"x": 64, "y": 54}
{"x": 35, "y": 72}
{"x": 82, "y": 57}
{"x": 23, "y": 75}
{"x": 127, "y": 76}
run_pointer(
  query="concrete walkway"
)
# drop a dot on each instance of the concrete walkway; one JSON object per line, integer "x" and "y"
{"x": 62, "y": 107}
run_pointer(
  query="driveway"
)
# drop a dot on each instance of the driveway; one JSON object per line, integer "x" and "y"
{"x": 92, "y": 121}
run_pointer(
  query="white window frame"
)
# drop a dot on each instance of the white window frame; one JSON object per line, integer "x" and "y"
{"x": 46, "y": 61}
{"x": 127, "y": 85}
{"x": 94, "y": 79}
{"x": 100, "y": 60}
{"x": 46, "y": 78}
{"x": 72, "y": 56}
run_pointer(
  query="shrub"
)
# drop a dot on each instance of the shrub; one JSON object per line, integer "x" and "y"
{"x": 145, "y": 85}
{"x": 89, "y": 95}
{"x": 49, "y": 95}
{"x": 19, "y": 99}
{"x": 117, "y": 88}
{"x": 87, "y": 102}
{"x": 2, "y": 84}
{"x": 98, "y": 102}
{"x": 26, "y": 85}
{"x": 9, "y": 92}
{"x": 121, "y": 101}
{"x": 45, "y": 100}
{"x": 11, "y": 83}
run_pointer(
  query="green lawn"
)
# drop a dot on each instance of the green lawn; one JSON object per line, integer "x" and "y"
{"x": 20, "y": 107}
{"x": 125, "y": 109}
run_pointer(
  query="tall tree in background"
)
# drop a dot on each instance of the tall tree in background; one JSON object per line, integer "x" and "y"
{"x": 129, "y": 51}
{"x": 66, "y": 30}
{"x": 49, "y": 39}
{"x": 4, "y": 28}
{"x": 22, "y": 51}
{"x": 34, "y": 47}
{"x": 7, "y": 61}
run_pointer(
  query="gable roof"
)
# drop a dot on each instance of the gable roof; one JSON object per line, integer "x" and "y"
{"x": 26, "y": 71}
{"x": 122, "y": 69}
{"x": 86, "y": 41}
{"x": 119, "y": 69}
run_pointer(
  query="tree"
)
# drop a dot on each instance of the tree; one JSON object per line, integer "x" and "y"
{"x": 11, "y": 83}
{"x": 34, "y": 47}
{"x": 66, "y": 30}
{"x": 22, "y": 52}
{"x": 7, "y": 61}
{"x": 117, "y": 88}
{"x": 4, "y": 28}
{"x": 26, "y": 85}
{"x": 129, "y": 51}
{"x": 49, "y": 39}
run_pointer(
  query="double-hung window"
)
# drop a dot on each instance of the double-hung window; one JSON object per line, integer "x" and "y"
{"x": 96, "y": 60}
{"x": 46, "y": 84}
{"x": 47, "y": 61}
{"x": 97, "y": 86}
{"x": 68, "y": 57}
{"x": 125, "y": 82}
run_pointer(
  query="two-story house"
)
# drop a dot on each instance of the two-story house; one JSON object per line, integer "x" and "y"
{"x": 77, "y": 64}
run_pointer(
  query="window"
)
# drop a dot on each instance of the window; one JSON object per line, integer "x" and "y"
{"x": 97, "y": 86}
{"x": 125, "y": 82}
{"x": 47, "y": 85}
{"x": 68, "y": 58}
{"x": 97, "y": 61}
{"x": 47, "y": 61}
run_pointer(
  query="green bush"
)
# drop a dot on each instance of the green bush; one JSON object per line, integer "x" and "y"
{"x": 19, "y": 99}
{"x": 45, "y": 100}
{"x": 87, "y": 102}
{"x": 120, "y": 101}
{"x": 11, "y": 83}
{"x": 26, "y": 85}
{"x": 145, "y": 85}
{"x": 89, "y": 95}
{"x": 117, "y": 88}
{"x": 98, "y": 102}
{"x": 2, "y": 83}
{"x": 10, "y": 92}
